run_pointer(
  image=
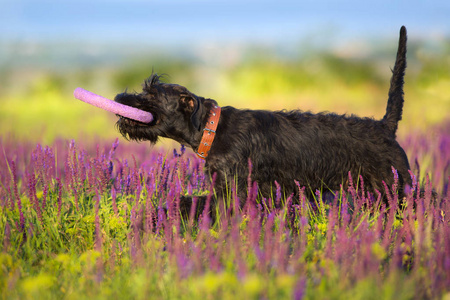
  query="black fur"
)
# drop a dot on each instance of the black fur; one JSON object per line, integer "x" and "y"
{"x": 317, "y": 150}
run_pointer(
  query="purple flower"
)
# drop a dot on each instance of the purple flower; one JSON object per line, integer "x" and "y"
{"x": 278, "y": 195}
{"x": 299, "y": 289}
{"x": 44, "y": 196}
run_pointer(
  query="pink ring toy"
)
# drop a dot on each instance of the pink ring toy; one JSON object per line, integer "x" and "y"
{"x": 112, "y": 106}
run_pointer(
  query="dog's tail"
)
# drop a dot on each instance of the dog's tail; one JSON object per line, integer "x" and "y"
{"x": 395, "y": 101}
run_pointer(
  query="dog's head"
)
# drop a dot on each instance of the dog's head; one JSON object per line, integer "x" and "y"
{"x": 177, "y": 113}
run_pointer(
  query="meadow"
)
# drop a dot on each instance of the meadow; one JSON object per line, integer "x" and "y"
{"x": 87, "y": 215}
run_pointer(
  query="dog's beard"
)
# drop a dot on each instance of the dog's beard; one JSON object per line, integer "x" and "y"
{"x": 137, "y": 131}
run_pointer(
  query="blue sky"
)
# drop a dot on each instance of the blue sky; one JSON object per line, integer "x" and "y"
{"x": 173, "y": 22}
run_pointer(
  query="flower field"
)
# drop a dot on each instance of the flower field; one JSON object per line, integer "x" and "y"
{"x": 85, "y": 216}
{"x": 101, "y": 221}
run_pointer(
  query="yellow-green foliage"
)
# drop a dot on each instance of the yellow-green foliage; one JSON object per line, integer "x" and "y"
{"x": 46, "y": 112}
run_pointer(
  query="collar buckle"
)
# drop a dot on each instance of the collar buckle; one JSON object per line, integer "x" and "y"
{"x": 209, "y": 130}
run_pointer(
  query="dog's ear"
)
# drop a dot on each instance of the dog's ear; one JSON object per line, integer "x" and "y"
{"x": 192, "y": 105}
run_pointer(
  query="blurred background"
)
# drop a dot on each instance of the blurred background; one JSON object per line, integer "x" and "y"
{"x": 312, "y": 55}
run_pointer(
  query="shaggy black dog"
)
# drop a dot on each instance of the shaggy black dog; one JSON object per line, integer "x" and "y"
{"x": 317, "y": 150}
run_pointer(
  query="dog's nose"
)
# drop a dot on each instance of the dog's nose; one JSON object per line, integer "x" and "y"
{"x": 119, "y": 96}
{"x": 124, "y": 98}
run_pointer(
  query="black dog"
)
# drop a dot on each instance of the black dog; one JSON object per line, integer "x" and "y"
{"x": 317, "y": 150}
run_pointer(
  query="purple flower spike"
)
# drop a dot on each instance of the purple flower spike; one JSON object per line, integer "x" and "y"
{"x": 112, "y": 106}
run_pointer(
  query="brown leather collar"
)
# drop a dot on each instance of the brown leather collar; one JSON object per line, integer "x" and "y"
{"x": 209, "y": 132}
